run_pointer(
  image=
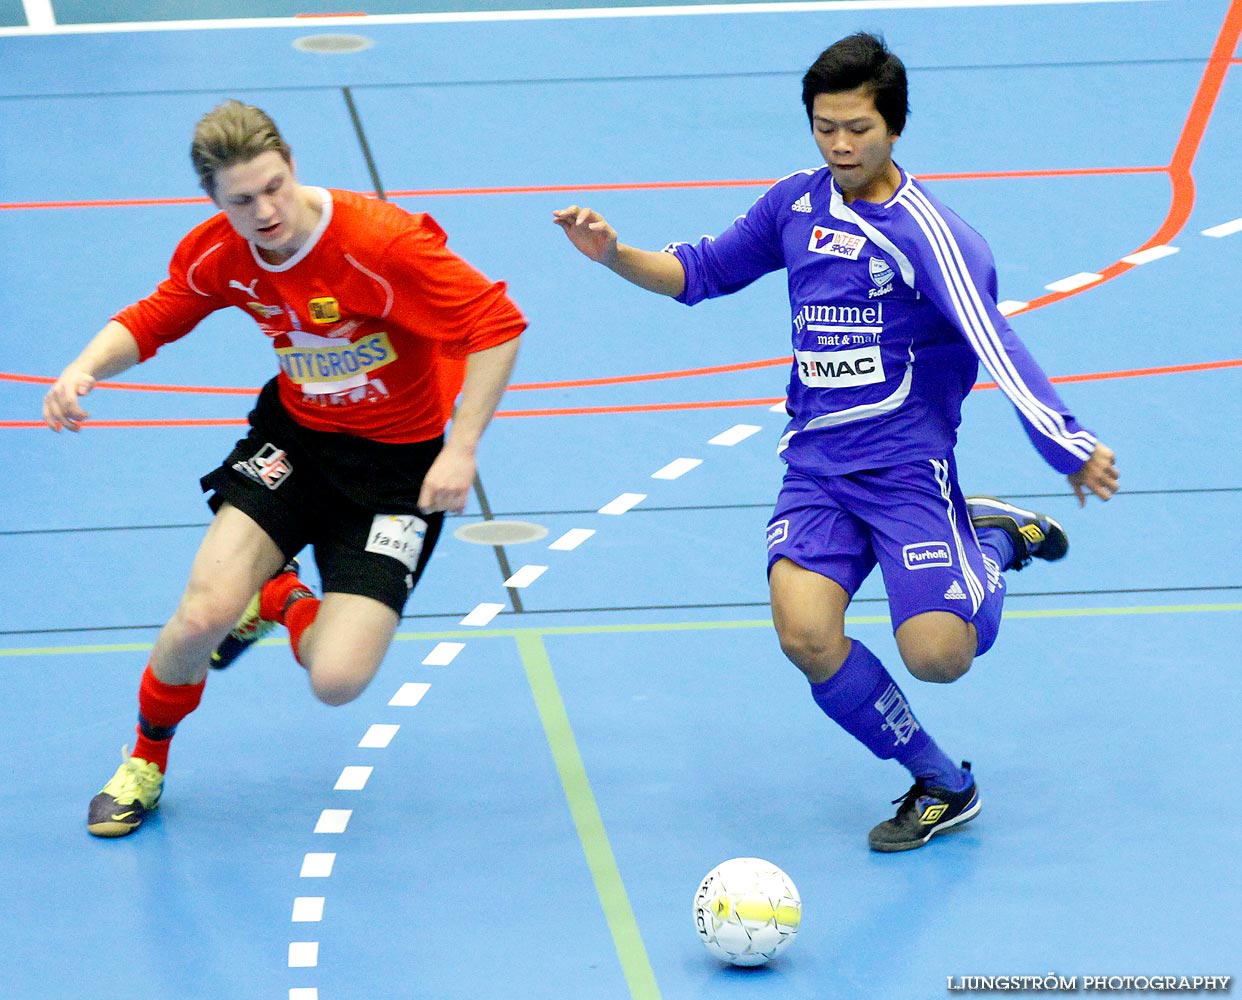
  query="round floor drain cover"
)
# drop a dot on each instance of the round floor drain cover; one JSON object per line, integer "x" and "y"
{"x": 500, "y": 532}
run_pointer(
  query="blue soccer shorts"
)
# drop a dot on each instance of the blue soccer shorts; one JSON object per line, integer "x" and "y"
{"x": 910, "y": 519}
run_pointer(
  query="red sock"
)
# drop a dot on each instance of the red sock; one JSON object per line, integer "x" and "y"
{"x": 160, "y": 708}
{"x": 298, "y": 619}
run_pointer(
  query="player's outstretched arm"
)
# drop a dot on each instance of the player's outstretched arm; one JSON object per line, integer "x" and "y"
{"x": 447, "y": 484}
{"x": 1098, "y": 475}
{"x": 590, "y": 232}
{"x": 111, "y": 352}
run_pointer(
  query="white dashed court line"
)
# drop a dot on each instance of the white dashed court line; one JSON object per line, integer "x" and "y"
{"x": 1150, "y": 254}
{"x": 736, "y": 433}
{"x": 303, "y": 954}
{"x": 526, "y": 576}
{"x": 677, "y": 468}
{"x": 777, "y": 407}
{"x": 409, "y": 694}
{"x": 353, "y": 779}
{"x": 483, "y": 614}
{"x": 1080, "y": 280}
{"x": 572, "y": 539}
{"x": 1011, "y": 306}
{"x": 1224, "y": 229}
{"x": 443, "y": 654}
{"x": 304, "y": 993}
{"x": 626, "y": 501}
{"x": 378, "y": 736}
{"x": 308, "y": 909}
{"x": 317, "y": 865}
{"x": 333, "y": 820}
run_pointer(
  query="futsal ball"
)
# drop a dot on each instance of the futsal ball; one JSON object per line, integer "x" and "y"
{"x": 747, "y": 911}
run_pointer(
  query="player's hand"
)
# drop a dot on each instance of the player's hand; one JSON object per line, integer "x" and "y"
{"x": 589, "y": 232}
{"x": 60, "y": 405}
{"x": 1098, "y": 475}
{"x": 446, "y": 487}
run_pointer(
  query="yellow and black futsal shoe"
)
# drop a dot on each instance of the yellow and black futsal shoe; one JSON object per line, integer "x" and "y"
{"x": 925, "y": 811}
{"x": 1034, "y": 536}
{"x": 125, "y": 801}
{"x": 250, "y": 628}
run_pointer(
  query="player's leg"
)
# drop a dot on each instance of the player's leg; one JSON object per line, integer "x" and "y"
{"x": 819, "y": 554}
{"x": 370, "y": 564}
{"x": 235, "y": 556}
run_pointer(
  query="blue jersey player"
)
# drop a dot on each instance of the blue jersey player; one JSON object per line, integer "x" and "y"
{"x": 893, "y": 306}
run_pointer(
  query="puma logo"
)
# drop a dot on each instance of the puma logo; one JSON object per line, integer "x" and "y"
{"x": 249, "y": 289}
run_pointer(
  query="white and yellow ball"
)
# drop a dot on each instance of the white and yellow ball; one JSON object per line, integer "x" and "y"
{"x": 747, "y": 911}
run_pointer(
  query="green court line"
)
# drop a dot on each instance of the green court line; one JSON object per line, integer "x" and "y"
{"x": 513, "y": 633}
{"x": 590, "y": 825}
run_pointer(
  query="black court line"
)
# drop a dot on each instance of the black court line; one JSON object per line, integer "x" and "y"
{"x": 502, "y": 557}
{"x": 493, "y": 515}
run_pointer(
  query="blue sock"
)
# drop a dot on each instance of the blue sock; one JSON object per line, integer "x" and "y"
{"x": 996, "y": 543}
{"x": 866, "y": 702}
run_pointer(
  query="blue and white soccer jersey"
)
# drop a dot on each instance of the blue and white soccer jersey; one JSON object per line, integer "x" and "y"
{"x": 892, "y": 307}
{"x": 910, "y": 519}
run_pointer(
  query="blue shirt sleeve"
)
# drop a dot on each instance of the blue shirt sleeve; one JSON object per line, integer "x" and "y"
{"x": 955, "y": 270}
{"x": 747, "y": 250}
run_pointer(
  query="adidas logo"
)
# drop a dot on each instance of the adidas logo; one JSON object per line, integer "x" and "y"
{"x": 955, "y": 592}
{"x": 803, "y": 204}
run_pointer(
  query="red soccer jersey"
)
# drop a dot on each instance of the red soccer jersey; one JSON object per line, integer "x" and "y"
{"x": 372, "y": 320}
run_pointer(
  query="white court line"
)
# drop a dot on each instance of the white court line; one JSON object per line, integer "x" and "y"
{"x": 572, "y": 539}
{"x": 1010, "y": 306}
{"x": 581, "y": 14}
{"x": 1224, "y": 229}
{"x": 378, "y": 736}
{"x": 307, "y": 909}
{"x": 39, "y": 14}
{"x": 1150, "y": 254}
{"x": 303, "y": 954}
{"x": 317, "y": 865}
{"x": 333, "y": 820}
{"x": 1080, "y": 280}
{"x": 626, "y": 501}
{"x": 777, "y": 407}
{"x": 736, "y": 433}
{"x": 677, "y": 468}
{"x": 526, "y": 576}
{"x": 483, "y": 614}
{"x": 303, "y": 993}
{"x": 353, "y": 779}
{"x": 409, "y": 694}
{"x": 444, "y": 654}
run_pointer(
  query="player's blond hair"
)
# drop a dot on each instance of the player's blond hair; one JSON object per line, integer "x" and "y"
{"x": 233, "y": 133}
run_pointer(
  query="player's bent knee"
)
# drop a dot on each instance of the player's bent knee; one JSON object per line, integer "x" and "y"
{"x": 337, "y": 691}
{"x": 937, "y": 666}
{"x": 207, "y": 615}
{"x": 812, "y": 650}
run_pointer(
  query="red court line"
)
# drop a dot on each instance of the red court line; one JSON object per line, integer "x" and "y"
{"x": 715, "y": 404}
{"x": 1184, "y": 153}
{"x": 14, "y": 206}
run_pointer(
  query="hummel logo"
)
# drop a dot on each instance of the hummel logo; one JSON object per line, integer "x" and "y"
{"x": 248, "y": 289}
{"x": 803, "y": 204}
{"x": 955, "y": 592}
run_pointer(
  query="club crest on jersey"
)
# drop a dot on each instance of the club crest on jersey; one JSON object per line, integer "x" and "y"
{"x": 324, "y": 310}
{"x": 835, "y": 244}
{"x": 881, "y": 273}
{"x": 778, "y": 531}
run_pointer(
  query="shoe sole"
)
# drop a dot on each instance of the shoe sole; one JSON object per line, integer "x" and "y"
{"x": 111, "y": 829}
{"x": 1060, "y": 540}
{"x": 910, "y": 845}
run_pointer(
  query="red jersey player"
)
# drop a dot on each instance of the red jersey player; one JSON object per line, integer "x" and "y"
{"x": 377, "y": 326}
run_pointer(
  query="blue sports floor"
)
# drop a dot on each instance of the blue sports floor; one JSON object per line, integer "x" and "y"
{"x": 523, "y": 808}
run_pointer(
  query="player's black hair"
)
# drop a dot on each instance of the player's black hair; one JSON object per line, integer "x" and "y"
{"x": 859, "y": 60}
